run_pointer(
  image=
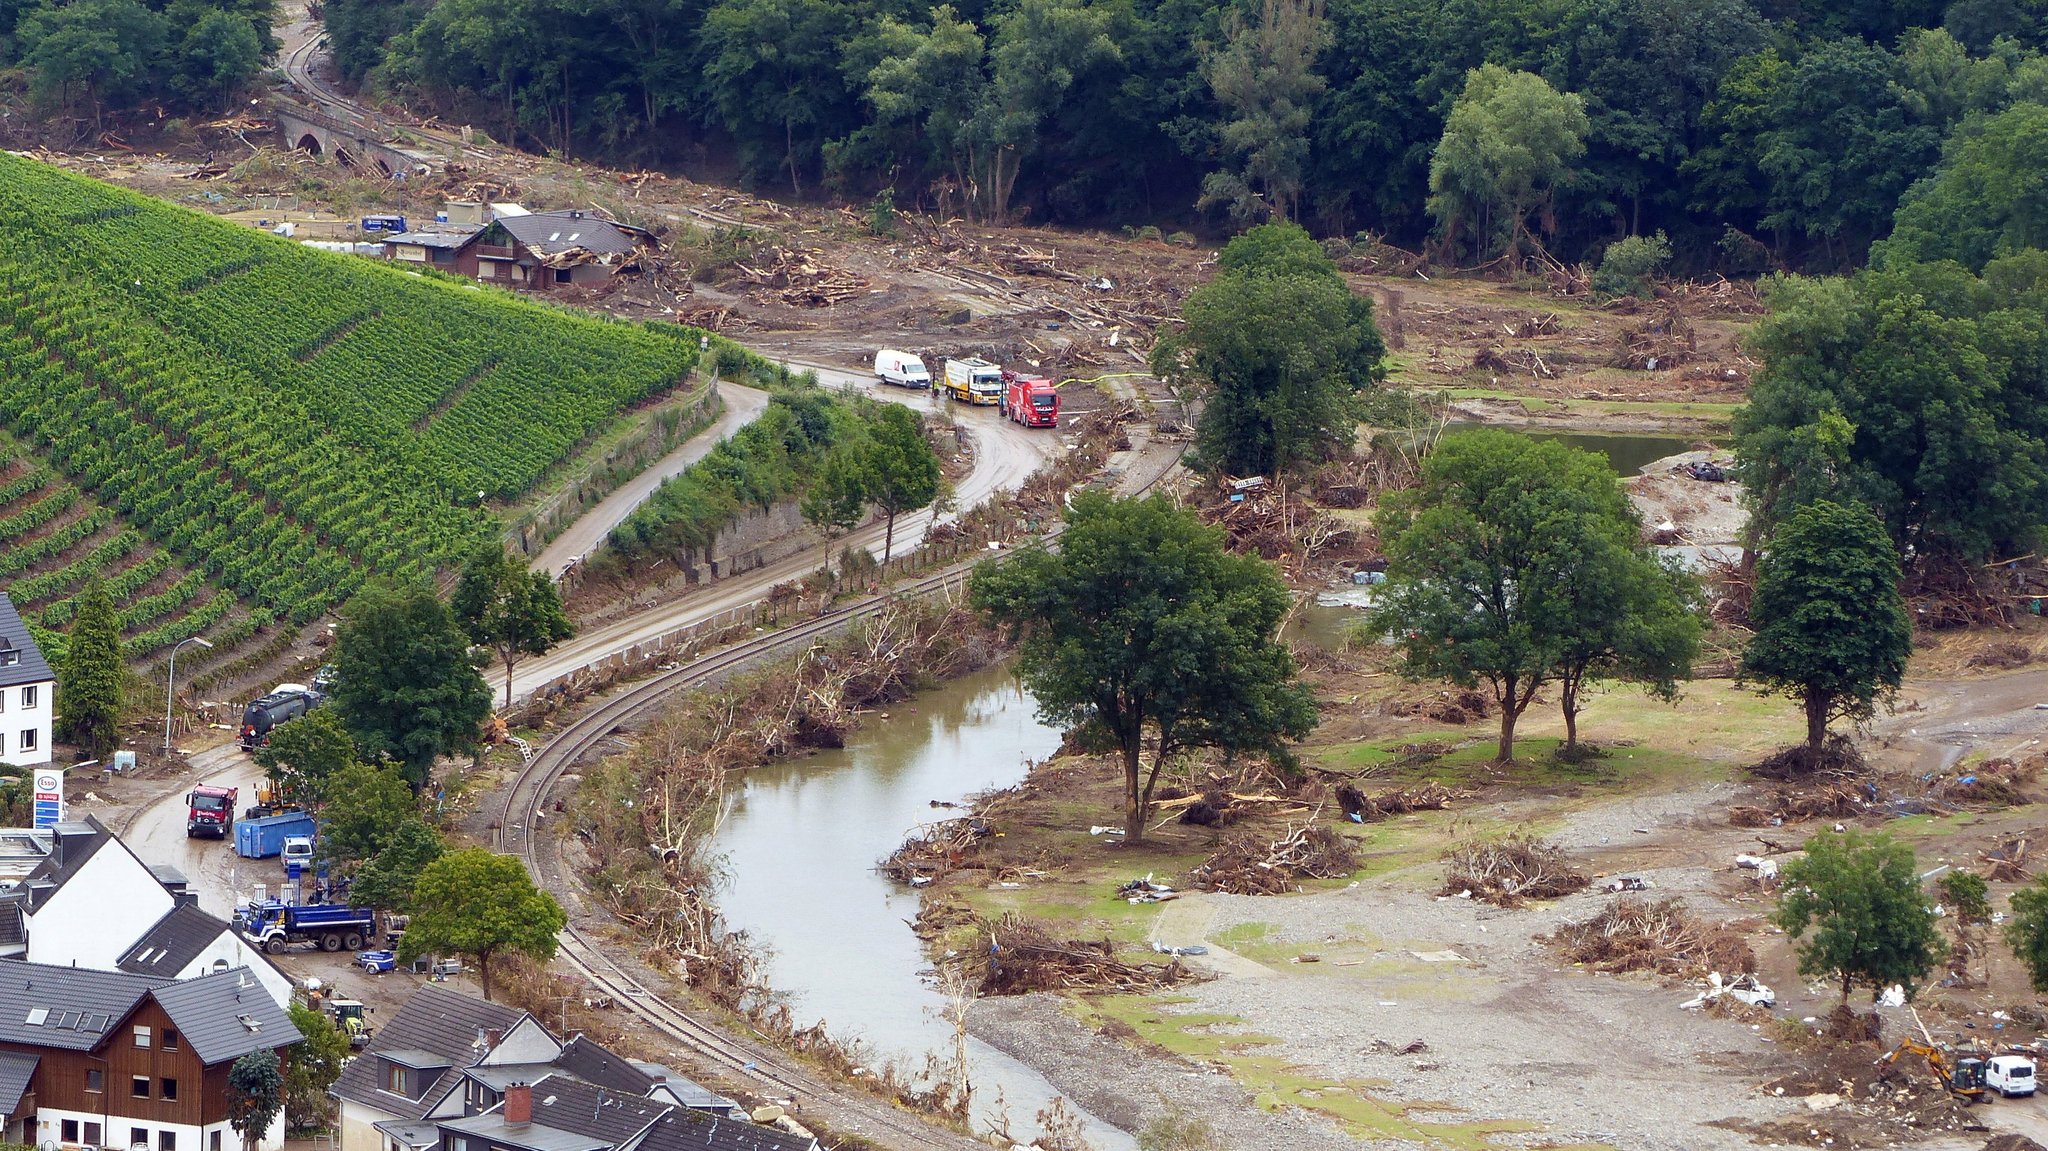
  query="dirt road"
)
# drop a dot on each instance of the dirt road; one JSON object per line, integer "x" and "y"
{"x": 742, "y": 404}
{"x": 156, "y": 834}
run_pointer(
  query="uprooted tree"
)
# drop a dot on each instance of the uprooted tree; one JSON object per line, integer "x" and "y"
{"x": 1831, "y": 627}
{"x": 1144, "y": 628}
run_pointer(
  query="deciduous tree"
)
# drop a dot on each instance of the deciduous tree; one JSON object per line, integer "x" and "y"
{"x": 481, "y": 905}
{"x": 406, "y": 686}
{"x": 304, "y": 753}
{"x": 1265, "y": 75}
{"x": 366, "y": 804}
{"x": 507, "y": 607}
{"x": 1831, "y": 627}
{"x": 2028, "y": 931}
{"x": 898, "y": 468}
{"x": 1859, "y": 896}
{"x": 89, "y": 682}
{"x": 386, "y": 880}
{"x": 315, "y": 1064}
{"x": 1510, "y": 142}
{"x": 1143, "y": 629}
{"x": 838, "y": 499}
{"x": 1280, "y": 348}
{"x": 1514, "y": 563}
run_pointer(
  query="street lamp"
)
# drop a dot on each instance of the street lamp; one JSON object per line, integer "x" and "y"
{"x": 172, "y": 684}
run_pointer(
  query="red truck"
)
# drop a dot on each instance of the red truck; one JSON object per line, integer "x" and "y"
{"x": 210, "y": 811}
{"x": 1030, "y": 400}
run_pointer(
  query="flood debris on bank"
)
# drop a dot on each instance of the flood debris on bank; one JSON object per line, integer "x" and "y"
{"x": 1011, "y": 955}
{"x": 1251, "y": 863}
{"x": 1511, "y": 870}
{"x": 1662, "y": 936}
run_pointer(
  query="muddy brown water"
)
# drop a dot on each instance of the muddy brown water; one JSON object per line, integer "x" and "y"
{"x": 798, "y": 849}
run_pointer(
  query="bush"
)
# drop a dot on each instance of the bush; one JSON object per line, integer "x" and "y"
{"x": 1629, "y": 264}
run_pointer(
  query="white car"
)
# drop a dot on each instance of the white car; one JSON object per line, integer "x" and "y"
{"x": 2009, "y": 1075}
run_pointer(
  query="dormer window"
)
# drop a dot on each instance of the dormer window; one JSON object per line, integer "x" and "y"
{"x": 9, "y": 655}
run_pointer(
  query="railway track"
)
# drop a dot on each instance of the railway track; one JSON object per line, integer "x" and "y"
{"x": 758, "y": 1063}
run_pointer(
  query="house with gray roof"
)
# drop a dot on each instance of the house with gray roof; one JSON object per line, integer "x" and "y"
{"x": 450, "y": 1072}
{"x": 92, "y": 903}
{"x": 97, "y": 1058}
{"x": 28, "y": 693}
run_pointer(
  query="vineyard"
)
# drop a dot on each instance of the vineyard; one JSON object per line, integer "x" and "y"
{"x": 204, "y": 414}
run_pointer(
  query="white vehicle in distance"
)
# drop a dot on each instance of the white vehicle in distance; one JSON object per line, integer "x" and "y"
{"x": 901, "y": 369}
{"x": 2009, "y": 1075}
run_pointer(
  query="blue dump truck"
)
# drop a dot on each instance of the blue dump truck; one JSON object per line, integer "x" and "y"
{"x": 264, "y": 838}
{"x": 274, "y": 926}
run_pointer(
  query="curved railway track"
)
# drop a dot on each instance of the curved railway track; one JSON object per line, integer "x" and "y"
{"x": 772, "y": 1072}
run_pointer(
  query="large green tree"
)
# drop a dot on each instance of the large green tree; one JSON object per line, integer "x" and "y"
{"x": 480, "y": 905}
{"x": 1280, "y": 349}
{"x": 771, "y": 72}
{"x": 406, "y": 687}
{"x": 1983, "y": 202}
{"x": 304, "y": 753}
{"x": 386, "y": 880}
{"x": 1509, "y": 143}
{"x": 507, "y": 607}
{"x": 1265, "y": 75}
{"x": 366, "y": 804}
{"x": 1515, "y": 562}
{"x": 89, "y": 682}
{"x": 98, "y": 51}
{"x": 316, "y": 1062}
{"x": 1143, "y": 629}
{"x": 2028, "y": 931}
{"x": 255, "y": 1095}
{"x": 898, "y": 468}
{"x": 1859, "y": 896}
{"x": 1831, "y": 627}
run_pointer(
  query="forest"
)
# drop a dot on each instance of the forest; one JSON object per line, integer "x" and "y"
{"x": 1753, "y": 134}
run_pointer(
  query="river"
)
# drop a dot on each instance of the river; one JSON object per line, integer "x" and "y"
{"x": 798, "y": 849}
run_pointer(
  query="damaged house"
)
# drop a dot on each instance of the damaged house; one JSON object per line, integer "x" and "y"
{"x": 533, "y": 250}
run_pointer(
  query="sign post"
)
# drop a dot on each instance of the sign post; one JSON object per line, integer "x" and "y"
{"x": 49, "y": 797}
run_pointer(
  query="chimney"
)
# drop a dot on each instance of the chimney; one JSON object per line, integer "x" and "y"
{"x": 519, "y": 1104}
{"x": 492, "y": 1037}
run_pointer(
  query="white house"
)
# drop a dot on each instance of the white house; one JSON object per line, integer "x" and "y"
{"x": 28, "y": 693}
{"x": 91, "y": 903}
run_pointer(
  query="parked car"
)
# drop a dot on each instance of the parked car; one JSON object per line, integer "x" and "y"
{"x": 901, "y": 369}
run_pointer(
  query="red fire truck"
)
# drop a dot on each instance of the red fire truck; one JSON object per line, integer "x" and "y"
{"x": 1031, "y": 400}
{"x": 210, "y": 811}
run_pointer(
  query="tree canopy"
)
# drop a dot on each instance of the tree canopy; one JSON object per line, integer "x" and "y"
{"x": 898, "y": 470}
{"x": 316, "y": 1063}
{"x": 2028, "y": 931}
{"x": 1509, "y": 144}
{"x": 1143, "y": 629}
{"x": 365, "y": 806}
{"x": 1516, "y": 562}
{"x": 1831, "y": 627}
{"x": 507, "y": 607}
{"x": 480, "y": 905}
{"x": 1859, "y": 898}
{"x": 406, "y": 687}
{"x": 255, "y": 1094}
{"x": 385, "y": 881}
{"x": 1280, "y": 348}
{"x": 305, "y": 753}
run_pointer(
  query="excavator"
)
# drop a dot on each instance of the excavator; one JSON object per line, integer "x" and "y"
{"x": 1963, "y": 1077}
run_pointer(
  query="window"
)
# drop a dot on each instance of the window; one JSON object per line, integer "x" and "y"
{"x": 92, "y": 1134}
{"x": 68, "y": 1130}
{"x": 170, "y": 1040}
{"x": 168, "y": 1089}
{"x": 167, "y": 1141}
{"x": 94, "y": 1080}
{"x": 138, "y": 1135}
{"x": 141, "y": 1036}
{"x": 28, "y": 739}
{"x": 28, "y": 696}
{"x": 213, "y": 1141}
{"x": 3, "y": 699}
{"x": 561, "y": 275}
{"x": 138, "y": 1087}
{"x": 394, "y": 1079}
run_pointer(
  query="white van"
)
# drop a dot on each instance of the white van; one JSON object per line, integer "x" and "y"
{"x": 901, "y": 369}
{"x": 2009, "y": 1075}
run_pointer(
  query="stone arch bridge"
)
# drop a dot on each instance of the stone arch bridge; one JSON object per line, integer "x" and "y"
{"x": 352, "y": 145}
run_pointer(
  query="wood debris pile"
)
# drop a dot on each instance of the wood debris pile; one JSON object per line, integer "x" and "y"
{"x": 2000, "y": 782}
{"x": 1513, "y": 361}
{"x": 1363, "y": 808}
{"x": 1018, "y": 957}
{"x": 1665, "y": 341}
{"x": 1661, "y": 936}
{"x": 1251, "y": 864}
{"x": 1511, "y": 871}
{"x": 938, "y": 849}
{"x": 1721, "y": 295}
{"x": 1461, "y": 706}
{"x": 800, "y": 278}
{"x": 1826, "y": 800}
{"x": 2006, "y": 863}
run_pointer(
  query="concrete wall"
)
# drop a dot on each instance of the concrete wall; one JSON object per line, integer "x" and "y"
{"x": 757, "y": 539}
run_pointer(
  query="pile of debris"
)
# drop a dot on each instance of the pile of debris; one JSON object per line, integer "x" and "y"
{"x": 1251, "y": 864}
{"x": 1362, "y": 808}
{"x": 2000, "y": 782}
{"x": 1834, "y": 800}
{"x": 1463, "y": 705}
{"x": 1019, "y": 957}
{"x": 1511, "y": 871}
{"x": 938, "y": 849}
{"x": 799, "y": 278}
{"x": 1663, "y": 342}
{"x": 1661, "y": 936}
{"x": 2006, "y": 863}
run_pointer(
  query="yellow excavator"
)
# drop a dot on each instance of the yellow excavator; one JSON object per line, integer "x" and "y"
{"x": 1963, "y": 1077}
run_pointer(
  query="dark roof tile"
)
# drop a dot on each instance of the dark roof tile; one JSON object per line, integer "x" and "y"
{"x": 434, "y": 1020}
{"x": 28, "y": 664}
{"x": 227, "y": 1015}
{"x": 176, "y": 940}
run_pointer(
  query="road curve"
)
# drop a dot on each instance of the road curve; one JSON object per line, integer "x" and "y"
{"x": 742, "y": 405}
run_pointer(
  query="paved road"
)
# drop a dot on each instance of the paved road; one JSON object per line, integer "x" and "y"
{"x": 742, "y": 405}
{"x": 157, "y": 835}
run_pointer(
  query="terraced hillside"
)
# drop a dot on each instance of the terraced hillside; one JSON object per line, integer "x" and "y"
{"x": 200, "y": 408}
